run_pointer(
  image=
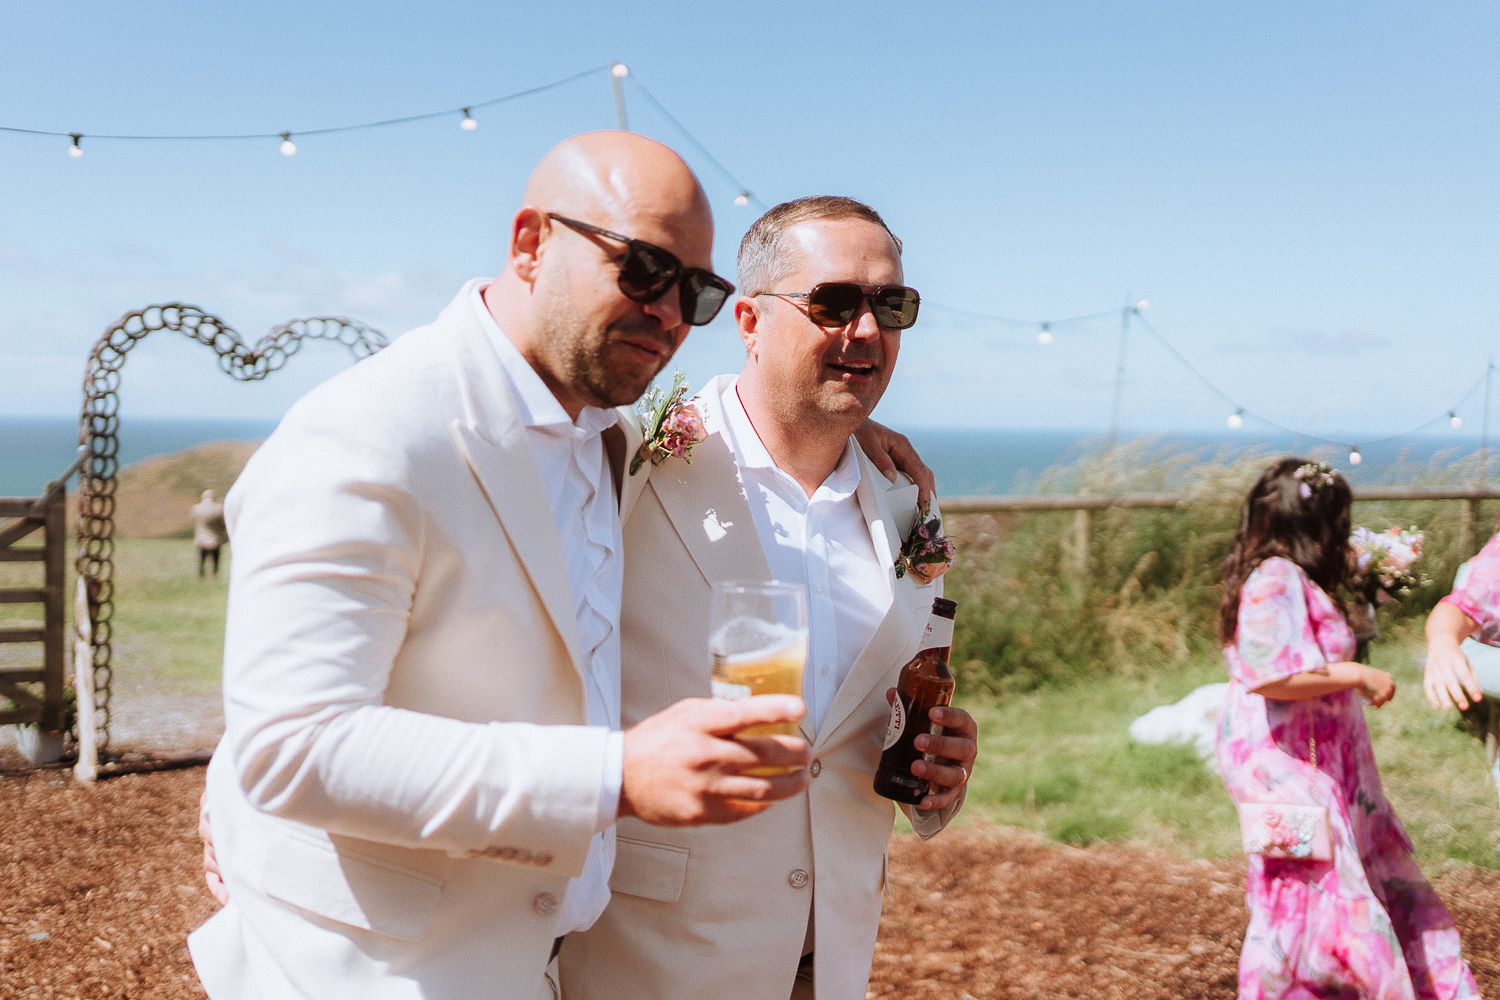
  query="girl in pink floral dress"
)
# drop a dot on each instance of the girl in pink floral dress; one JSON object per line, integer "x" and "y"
{"x": 1366, "y": 924}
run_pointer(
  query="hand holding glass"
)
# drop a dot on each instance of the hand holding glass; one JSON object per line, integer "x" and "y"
{"x": 758, "y": 644}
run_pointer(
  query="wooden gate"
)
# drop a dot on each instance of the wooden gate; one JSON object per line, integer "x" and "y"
{"x": 35, "y": 692}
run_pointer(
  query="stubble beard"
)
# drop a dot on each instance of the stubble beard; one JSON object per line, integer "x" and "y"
{"x": 585, "y": 367}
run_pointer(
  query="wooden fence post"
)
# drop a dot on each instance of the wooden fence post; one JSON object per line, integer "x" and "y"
{"x": 1082, "y": 523}
{"x": 54, "y": 585}
{"x": 87, "y": 768}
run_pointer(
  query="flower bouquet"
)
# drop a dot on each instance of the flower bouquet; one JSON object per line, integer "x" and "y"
{"x": 1382, "y": 565}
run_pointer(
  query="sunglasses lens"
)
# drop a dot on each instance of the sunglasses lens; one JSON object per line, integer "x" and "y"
{"x": 703, "y": 295}
{"x": 647, "y": 272}
{"x": 834, "y": 303}
{"x": 896, "y": 307}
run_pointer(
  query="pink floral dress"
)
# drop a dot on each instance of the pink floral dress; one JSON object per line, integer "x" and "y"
{"x": 1366, "y": 924}
{"x": 1479, "y": 597}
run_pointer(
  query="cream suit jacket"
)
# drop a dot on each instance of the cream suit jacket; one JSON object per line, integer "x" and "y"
{"x": 406, "y": 781}
{"x": 721, "y": 912}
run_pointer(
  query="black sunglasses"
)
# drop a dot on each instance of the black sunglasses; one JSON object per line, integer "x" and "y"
{"x": 833, "y": 304}
{"x": 648, "y": 272}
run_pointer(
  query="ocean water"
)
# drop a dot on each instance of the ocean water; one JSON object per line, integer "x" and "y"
{"x": 34, "y": 450}
{"x": 989, "y": 463}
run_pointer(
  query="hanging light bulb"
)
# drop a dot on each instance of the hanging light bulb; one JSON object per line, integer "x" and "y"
{"x": 468, "y": 124}
{"x": 1354, "y": 456}
{"x": 742, "y": 199}
{"x": 619, "y": 69}
{"x": 1045, "y": 337}
{"x": 1236, "y": 419}
{"x": 75, "y": 150}
{"x": 1455, "y": 420}
{"x": 288, "y": 147}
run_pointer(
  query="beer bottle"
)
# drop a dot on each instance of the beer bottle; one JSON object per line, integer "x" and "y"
{"x": 925, "y": 682}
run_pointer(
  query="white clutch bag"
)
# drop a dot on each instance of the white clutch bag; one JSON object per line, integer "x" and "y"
{"x": 1284, "y": 830}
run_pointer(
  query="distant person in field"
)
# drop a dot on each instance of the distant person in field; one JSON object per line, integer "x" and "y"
{"x": 209, "y": 533}
{"x": 1292, "y": 733}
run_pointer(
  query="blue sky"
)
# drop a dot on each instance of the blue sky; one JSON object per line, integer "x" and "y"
{"x": 1306, "y": 195}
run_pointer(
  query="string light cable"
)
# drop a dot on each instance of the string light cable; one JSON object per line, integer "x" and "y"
{"x": 1236, "y": 419}
{"x": 1046, "y": 327}
{"x": 468, "y": 123}
{"x": 745, "y": 195}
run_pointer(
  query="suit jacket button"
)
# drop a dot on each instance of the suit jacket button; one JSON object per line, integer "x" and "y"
{"x": 544, "y": 903}
{"x": 798, "y": 878}
{"x": 815, "y": 768}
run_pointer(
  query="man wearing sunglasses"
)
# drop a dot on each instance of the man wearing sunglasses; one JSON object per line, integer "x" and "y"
{"x": 786, "y": 904}
{"x": 421, "y": 770}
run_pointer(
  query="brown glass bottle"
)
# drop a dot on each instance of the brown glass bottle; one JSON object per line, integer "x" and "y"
{"x": 925, "y": 682}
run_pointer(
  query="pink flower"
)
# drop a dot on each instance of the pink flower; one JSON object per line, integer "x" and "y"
{"x": 670, "y": 426}
{"x": 682, "y": 429}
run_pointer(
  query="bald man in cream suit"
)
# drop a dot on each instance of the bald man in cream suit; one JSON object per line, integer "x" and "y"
{"x": 422, "y": 764}
{"x": 788, "y": 903}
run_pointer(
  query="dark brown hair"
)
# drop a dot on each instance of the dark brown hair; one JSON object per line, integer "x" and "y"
{"x": 1303, "y": 519}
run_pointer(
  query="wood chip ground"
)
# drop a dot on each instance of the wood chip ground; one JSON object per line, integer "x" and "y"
{"x": 100, "y": 885}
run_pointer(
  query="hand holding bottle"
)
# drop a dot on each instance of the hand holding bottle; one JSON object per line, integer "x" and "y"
{"x": 948, "y": 760}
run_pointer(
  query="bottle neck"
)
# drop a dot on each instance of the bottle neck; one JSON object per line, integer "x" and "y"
{"x": 939, "y": 634}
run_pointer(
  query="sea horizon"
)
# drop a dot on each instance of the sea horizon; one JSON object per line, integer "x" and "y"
{"x": 967, "y": 461}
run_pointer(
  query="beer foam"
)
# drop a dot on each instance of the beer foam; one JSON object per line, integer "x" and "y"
{"x": 744, "y": 639}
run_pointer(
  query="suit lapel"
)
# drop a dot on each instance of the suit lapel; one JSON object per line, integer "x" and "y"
{"x": 706, "y": 504}
{"x": 630, "y": 487}
{"x": 889, "y": 513}
{"x": 492, "y": 442}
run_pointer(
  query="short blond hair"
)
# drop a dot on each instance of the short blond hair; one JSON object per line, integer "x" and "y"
{"x": 765, "y": 258}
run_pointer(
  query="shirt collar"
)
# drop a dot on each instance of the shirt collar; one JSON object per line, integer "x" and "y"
{"x": 537, "y": 407}
{"x": 751, "y": 453}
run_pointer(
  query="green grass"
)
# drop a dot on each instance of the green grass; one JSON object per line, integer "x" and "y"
{"x": 168, "y": 628}
{"x": 1058, "y": 761}
{"x": 169, "y": 623}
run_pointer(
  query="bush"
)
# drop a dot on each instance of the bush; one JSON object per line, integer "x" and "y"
{"x": 1032, "y": 614}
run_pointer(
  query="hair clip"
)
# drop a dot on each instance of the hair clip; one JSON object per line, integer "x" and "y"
{"x": 1311, "y": 477}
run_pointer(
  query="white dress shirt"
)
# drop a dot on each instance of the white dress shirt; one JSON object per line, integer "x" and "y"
{"x": 822, "y": 542}
{"x": 580, "y": 490}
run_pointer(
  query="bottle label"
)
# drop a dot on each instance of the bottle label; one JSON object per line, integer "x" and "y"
{"x": 939, "y": 633}
{"x": 896, "y": 725}
{"x": 725, "y": 691}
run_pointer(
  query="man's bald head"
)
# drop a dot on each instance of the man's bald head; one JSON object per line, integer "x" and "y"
{"x": 616, "y": 178}
{"x": 559, "y": 298}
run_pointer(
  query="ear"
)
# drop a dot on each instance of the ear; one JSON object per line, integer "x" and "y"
{"x": 526, "y": 242}
{"x": 747, "y": 317}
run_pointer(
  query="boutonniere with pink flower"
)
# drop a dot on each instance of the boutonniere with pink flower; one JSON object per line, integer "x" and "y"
{"x": 927, "y": 552}
{"x": 670, "y": 425}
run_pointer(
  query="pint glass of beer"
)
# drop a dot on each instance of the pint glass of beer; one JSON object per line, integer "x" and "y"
{"x": 758, "y": 643}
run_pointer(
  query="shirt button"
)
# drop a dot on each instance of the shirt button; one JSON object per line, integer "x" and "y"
{"x": 544, "y": 903}
{"x": 798, "y": 878}
{"x": 815, "y": 768}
